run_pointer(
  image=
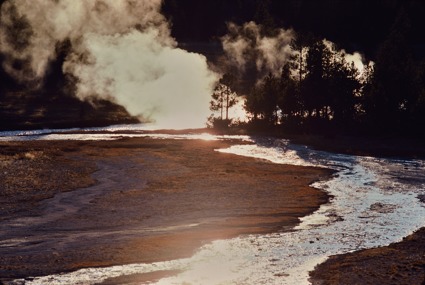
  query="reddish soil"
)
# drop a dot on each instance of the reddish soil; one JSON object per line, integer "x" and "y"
{"x": 399, "y": 263}
{"x": 69, "y": 205}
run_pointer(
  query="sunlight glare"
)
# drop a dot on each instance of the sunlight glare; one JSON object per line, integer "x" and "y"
{"x": 237, "y": 112}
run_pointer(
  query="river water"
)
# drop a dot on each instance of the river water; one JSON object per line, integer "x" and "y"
{"x": 375, "y": 202}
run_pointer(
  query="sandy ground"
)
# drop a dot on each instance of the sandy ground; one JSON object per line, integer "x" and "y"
{"x": 67, "y": 205}
{"x": 399, "y": 263}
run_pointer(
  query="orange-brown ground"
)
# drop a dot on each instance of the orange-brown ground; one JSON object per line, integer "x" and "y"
{"x": 148, "y": 200}
{"x": 399, "y": 263}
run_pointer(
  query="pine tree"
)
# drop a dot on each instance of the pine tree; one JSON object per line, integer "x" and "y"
{"x": 223, "y": 98}
{"x": 394, "y": 88}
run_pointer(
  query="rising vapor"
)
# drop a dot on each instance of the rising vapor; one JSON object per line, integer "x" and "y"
{"x": 121, "y": 50}
{"x": 353, "y": 58}
{"x": 247, "y": 44}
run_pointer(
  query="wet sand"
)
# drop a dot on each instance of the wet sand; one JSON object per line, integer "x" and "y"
{"x": 399, "y": 263}
{"x": 68, "y": 205}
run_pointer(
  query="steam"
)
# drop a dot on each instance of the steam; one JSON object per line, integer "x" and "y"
{"x": 170, "y": 86}
{"x": 121, "y": 50}
{"x": 248, "y": 44}
{"x": 355, "y": 58}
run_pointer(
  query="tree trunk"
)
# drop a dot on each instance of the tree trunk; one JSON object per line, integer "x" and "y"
{"x": 221, "y": 99}
{"x": 227, "y": 106}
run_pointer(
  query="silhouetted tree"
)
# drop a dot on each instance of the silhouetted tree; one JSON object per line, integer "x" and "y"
{"x": 300, "y": 46}
{"x": 270, "y": 93}
{"x": 223, "y": 99}
{"x": 253, "y": 103}
{"x": 418, "y": 110}
{"x": 262, "y": 102}
{"x": 330, "y": 87}
{"x": 344, "y": 90}
{"x": 394, "y": 87}
{"x": 315, "y": 95}
{"x": 288, "y": 100}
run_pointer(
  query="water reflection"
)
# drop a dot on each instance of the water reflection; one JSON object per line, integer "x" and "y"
{"x": 375, "y": 202}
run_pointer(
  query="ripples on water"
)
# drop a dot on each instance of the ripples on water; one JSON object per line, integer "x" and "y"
{"x": 375, "y": 202}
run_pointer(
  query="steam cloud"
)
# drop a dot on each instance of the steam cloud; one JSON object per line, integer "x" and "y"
{"x": 247, "y": 44}
{"x": 355, "y": 58}
{"x": 121, "y": 50}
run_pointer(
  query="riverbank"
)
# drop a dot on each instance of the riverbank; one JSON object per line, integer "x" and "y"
{"x": 398, "y": 263}
{"x": 137, "y": 200}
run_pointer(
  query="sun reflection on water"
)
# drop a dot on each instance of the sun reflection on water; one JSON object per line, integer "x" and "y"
{"x": 349, "y": 222}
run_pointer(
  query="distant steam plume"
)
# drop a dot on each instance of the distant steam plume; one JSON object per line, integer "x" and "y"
{"x": 121, "y": 50}
{"x": 355, "y": 58}
{"x": 255, "y": 53}
{"x": 248, "y": 45}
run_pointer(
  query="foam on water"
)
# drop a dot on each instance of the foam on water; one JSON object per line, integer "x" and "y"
{"x": 374, "y": 203}
{"x": 107, "y": 133}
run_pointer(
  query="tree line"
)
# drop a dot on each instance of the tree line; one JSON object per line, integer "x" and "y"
{"x": 356, "y": 24}
{"x": 319, "y": 91}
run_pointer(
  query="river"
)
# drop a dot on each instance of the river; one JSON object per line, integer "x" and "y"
{"x": 375, "y": 202}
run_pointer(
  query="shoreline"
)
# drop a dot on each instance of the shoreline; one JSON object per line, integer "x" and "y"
{"x": 176, "y": 196}
{"x": 379, "y": 146}
{"x": 402, "y": 262}
{"x": 331, "y": 271}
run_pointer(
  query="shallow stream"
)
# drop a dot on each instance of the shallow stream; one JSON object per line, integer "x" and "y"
{"x": 375, "y": 202}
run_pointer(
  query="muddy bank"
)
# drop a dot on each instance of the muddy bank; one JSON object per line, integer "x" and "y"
{"x": 137, "y": 200}
{"x": 30, "y": 173}
{"x": 399, "y": 263}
